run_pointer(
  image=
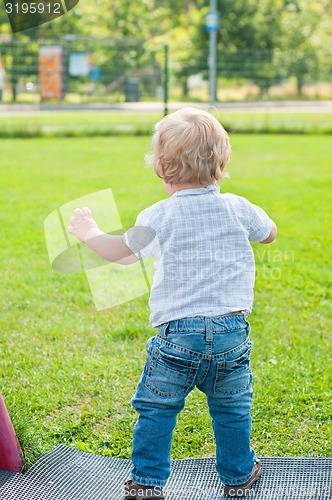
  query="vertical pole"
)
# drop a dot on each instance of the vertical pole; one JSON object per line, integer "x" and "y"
{"x": 13, "y": 72}
{"x": 213, "y": 58}
{"x": 166, "y": 79}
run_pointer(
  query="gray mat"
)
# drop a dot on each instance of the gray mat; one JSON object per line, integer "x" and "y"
{"x": 68, "y": 474}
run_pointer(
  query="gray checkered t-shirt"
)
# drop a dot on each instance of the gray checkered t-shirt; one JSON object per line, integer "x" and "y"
{"x": 200, "y": 242}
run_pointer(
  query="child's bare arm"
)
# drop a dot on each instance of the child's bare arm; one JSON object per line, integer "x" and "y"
{"x": 272, "y": 234}
{"x": 110, "y": 247}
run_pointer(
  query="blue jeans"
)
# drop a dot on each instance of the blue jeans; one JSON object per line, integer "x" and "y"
{"x": 212, "y": 354}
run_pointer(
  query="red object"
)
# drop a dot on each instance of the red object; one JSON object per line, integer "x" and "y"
{"x": 10, "y": 451}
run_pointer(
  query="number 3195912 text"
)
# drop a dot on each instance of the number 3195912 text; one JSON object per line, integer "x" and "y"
{"x": 33, "y": 8}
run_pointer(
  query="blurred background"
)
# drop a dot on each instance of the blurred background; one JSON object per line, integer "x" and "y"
{"x": 116, "y": 51}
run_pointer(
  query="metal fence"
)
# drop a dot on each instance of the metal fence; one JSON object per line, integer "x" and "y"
{"x": 82, "y": 68}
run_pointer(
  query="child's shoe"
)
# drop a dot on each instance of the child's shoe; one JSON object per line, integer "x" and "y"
{"x": 241, "y": 490}
{"x": 134, "y": 491}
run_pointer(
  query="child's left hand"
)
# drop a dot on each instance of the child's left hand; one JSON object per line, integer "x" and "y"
{"x": 83, "y": 226}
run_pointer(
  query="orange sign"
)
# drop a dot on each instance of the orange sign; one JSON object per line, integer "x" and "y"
{"x": 51, "y": 72}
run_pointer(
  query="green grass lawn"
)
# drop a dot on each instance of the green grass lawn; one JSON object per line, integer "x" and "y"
{"x": 68, "y": 372}
{"x": 78, "y": 123}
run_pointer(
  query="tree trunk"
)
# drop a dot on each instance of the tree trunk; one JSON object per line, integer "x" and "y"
{"x": 185, "y": 88}
{"x": 299, "y": 81}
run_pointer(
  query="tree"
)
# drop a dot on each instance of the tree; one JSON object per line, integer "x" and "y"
{"x": 264, "y": 41}
{"x": 246, "y": 39}
{"x": 301, "y": 24}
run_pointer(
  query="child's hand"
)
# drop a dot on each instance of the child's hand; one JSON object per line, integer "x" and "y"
{"x": 83, "y": 226}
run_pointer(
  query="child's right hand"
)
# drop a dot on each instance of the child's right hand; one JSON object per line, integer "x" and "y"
{"x": 83, "y": 226}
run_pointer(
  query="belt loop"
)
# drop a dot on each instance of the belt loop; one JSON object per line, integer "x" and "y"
{"x": 245, "y": 313}
{"x": 162, "y": 330}
{"x": 208, "y": 329}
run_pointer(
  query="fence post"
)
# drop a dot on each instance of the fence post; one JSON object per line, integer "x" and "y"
{"x": 166, "y": 79}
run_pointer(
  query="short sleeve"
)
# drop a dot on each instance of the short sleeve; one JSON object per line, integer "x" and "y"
{"x": 142, "y": 239}
{"x": 260, "y": 224}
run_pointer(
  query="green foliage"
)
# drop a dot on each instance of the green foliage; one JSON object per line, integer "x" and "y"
{"x": 265, "y": 42}
{"x": 68, "y": 372}
{"x": 301, "y": 42}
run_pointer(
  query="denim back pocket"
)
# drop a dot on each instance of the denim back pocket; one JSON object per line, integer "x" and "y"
{"x": 234, "y": 375}
{"x": 169, "y": 376}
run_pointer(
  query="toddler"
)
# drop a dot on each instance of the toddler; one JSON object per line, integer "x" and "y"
{"x": 201, "y": 296}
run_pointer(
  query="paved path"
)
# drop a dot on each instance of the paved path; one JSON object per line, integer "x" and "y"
{"x": 158, "y": 107}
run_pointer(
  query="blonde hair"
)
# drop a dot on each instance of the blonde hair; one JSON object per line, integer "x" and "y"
{"x": 189, "y": 146}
